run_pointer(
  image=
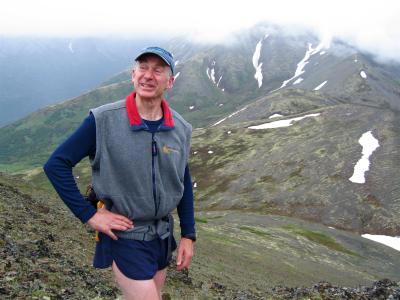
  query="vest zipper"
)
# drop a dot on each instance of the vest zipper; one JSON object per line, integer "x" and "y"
{"x": 153, "y": 170}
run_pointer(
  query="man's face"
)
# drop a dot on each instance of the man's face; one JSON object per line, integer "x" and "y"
{"x": 151, "y": 77}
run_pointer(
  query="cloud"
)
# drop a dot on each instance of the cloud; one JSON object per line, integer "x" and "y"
{"x": 372, "y": 25}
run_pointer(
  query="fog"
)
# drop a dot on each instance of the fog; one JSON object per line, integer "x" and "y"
{"x": 373, "y": 26}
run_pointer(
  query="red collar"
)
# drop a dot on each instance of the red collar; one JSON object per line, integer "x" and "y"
{"x": 136, "y": 121}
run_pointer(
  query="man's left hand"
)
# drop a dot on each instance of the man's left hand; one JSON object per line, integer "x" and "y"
{"x": 185, "y": 254}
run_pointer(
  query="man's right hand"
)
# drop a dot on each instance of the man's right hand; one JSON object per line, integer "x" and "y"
{"x": 105, "y": 221}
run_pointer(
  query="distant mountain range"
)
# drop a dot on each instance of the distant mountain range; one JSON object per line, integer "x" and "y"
{"x": 35, "y": 72}
{"x": 336, "y": 93}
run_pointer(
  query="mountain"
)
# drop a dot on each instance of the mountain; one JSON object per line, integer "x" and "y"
{"x": 302, "y": 170}
{"x": 46, "y": 253}
{"x": 35, "y": 72}
{"x": 217, "y": 80}
{"x": 335, "y": 92}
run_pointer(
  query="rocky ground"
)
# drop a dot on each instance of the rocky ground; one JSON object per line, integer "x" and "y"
{"x": 46, "y": 254}
{"x": 382, "y": 289}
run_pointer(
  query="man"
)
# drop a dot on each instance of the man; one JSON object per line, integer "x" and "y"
{"x": 138, "y": 149}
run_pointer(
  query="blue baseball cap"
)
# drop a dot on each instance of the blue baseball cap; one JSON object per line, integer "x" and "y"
{"x": 166, "y": 56}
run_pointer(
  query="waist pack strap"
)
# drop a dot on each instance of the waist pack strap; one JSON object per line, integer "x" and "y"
{"x": 141, "y": 236}
{"x": 171, "y": 232}
{"x": 148, "y": 231}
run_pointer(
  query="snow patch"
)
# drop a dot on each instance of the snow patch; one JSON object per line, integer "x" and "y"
{"x": 391, "y": 241}
{"x": 210, "y": 152}
{"x": 275, "y": 116}
{"x": 300, "y": 66}
{"x": 219, "y": 80}
{"x": 256, "y": 57}
{"x": 195, "y": 185}
{"x": 363, "y": 75}
{"x": 221, "y": 104}
{"x": 212, "y": 75}
{"x": 229, "y": 132}
{"x": 298, "y": 80}
{"x": 195, "y": 152}
{"x": 320, "y": 86}
{"x": 191, "y": 107}
{"x": 230, "y": 116}
{"x": 369, "y": 144}
{"x": 282, "y": 123}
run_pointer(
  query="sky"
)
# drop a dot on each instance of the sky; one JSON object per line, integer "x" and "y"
{"x": 369, "y": 24}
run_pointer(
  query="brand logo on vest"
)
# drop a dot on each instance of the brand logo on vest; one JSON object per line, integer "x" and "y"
{"x": 168, "y": 150}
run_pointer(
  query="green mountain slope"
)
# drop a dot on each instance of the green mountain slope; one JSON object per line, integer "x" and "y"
{"x": 28, "y": 143}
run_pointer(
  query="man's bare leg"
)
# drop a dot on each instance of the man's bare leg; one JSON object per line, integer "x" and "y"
{"x": 159, "y": 279}
{"x": 136, "y": 289}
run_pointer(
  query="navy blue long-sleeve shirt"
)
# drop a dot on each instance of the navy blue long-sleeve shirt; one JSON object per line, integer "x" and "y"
{"x": 82, "y": 143}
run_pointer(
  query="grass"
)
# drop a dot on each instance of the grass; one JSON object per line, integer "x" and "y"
{"x": 13, "y": 167}
{"x": 217, "y": 237}
{"x": 201, "y": 220}
{"x": 319, "y": 238}
{"x": 255, "y": 231}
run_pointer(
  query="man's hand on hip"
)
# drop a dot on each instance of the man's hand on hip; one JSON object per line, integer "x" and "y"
{"x": 105, "y": 221}
{"x": 185, "y": 253}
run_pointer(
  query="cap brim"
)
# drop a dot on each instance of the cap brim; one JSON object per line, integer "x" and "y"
{"x": 157, "y": 54}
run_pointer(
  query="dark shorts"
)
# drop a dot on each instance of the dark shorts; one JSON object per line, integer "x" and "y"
{"x": 138, "y": 260}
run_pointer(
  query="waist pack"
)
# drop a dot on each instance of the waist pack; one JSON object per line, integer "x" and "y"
{"x": 91, "y": 196}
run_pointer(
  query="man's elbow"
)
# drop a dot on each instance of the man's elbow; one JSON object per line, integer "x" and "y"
{"x": 48, "y": 166}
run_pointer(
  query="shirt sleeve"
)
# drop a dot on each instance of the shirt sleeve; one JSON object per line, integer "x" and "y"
{"x": 58, "y": 168}
{"x": 186, "y": 206}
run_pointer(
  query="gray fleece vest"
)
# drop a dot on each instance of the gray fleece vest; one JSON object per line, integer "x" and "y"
{"x": 138, "y": 174}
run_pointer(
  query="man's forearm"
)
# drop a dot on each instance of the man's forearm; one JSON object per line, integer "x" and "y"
{"x": 186, "y": 207}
